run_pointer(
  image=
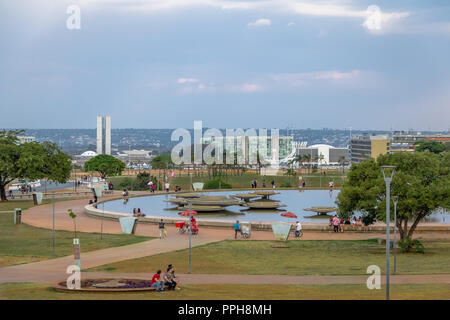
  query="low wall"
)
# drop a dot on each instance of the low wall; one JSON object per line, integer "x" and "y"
{"x": 92, "y": 211}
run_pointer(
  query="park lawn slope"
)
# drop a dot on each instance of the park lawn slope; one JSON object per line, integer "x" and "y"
{"x": 25, "y": 204}
{"x": 304, "y": 257}
{"x": 37, "y": 291}
{"x": 23, "y": 243}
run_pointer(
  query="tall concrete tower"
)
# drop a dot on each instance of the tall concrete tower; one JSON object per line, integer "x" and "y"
{"x": 103, "y": 135}
{"x": 108, "y": 135}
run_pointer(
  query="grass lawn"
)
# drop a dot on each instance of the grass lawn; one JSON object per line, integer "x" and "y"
{"x": 23, "y": 243}
{"x": 315, "y": 180}
{"x": 302, "y": 257}
{"x": 212, "y": 292}
{"x": 24, "y": 204}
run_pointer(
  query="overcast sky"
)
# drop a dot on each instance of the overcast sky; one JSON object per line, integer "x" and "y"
{"x": 234, "y": 63}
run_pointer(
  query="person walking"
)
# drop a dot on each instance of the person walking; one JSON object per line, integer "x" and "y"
{"x": 237, "y": 228}
{"x": 336, "y": 224}
{"x": 167, "y": 185}
{"x": 273, "y": 184}
{"x": 150, "y": 186}
{"x": 162, "y": 230}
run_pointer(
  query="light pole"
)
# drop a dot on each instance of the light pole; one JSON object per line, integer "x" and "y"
{"x": 101, "y": 225}
{"x": 395, "y": 200}
{"x": 388, "y": 180}
{"x": 190, "y": 233}
{"x": 53, "y": 224}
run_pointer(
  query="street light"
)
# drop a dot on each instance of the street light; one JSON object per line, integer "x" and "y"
{"x": 388, "y": 180}
{"x": 190, "y": 233}
{"x": 395, "y": 200}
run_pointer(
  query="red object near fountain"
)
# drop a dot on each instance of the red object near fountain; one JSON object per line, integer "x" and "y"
{"x": 288, "y": 215}
{"x": 186, "y": 213}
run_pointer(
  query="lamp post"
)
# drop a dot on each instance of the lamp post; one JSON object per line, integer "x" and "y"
{"x": 190, "y": 233}
{"x": 388, "y": 180}
{"x": 53, "y": 224}
{"x": 395, "y": 200}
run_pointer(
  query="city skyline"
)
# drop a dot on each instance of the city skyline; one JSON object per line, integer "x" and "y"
{"x": 232, "y": 64}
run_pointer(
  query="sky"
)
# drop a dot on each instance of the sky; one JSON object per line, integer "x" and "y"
{"x": 236, "y": 63}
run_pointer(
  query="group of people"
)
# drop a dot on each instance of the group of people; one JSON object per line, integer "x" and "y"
{"x": 152, "y": 186}
{"x": 137, "y": 212}
{"x": 338, "y": 224}
{"x": 108, "y": 186}
{"x": 254, "y": 184}
{"x": 168, "y": 279}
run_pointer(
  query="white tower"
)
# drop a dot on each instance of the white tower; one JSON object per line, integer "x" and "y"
{"x": 108, "y": 135}
{"x": 103, "y": 135}
{"x": 99, "y": 135}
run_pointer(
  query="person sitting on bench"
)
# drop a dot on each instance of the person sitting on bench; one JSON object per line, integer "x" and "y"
{"x": 156, "y": 281}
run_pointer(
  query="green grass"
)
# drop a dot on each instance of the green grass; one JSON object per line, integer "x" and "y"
{"x": 36, "y": 291}
{"x": 313, "y": 180}
{"x": 23, "y": 204}
{"x": 23, "y": 243}
{"x": 304, "y": 257}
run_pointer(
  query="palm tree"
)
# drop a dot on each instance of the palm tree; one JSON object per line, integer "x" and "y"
{"x": 307, "y": 158}
{"x": 342, "y": 161}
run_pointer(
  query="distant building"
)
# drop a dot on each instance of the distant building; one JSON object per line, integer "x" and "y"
{"x": 88, "y": 154}
{"x": 371, "y": 146}
{"x": 103, "y": 135}
{"x": 365, "y": 146}
{"x": 323, "y": 154}
{"x": 26, "y": 139}
{"x": 249, "y": 146}
{"x": 135, "y": 154}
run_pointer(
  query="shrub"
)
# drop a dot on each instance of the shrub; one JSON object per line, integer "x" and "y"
{"x": 216, "y": 183}
{"x": 408, "y": 244}
{"x": 367, "y": 219}
{"x": 142, "y": 179}
{"x": 286, "y": 185}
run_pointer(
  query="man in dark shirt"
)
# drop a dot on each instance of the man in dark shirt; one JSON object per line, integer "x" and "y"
{"x": 162, "y": 231}
{"x": 237, "y": 228}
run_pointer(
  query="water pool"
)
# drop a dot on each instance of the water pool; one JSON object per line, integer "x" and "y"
{"x": 294, "y": 200}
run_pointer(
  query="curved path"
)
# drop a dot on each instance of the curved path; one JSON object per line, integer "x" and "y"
{"x": 54, "y": 269}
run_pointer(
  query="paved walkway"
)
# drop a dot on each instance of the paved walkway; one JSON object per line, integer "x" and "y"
{"x": 279, "y": 279}
{"x": 54, "y": 269}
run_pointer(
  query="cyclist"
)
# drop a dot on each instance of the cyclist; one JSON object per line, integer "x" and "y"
{"x": 298, "y": 229}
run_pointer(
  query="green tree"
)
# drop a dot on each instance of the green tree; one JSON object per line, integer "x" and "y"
{"x": 105, "y": 164}
{"x": 431, "y": 145}
{"x": 161, "y": 162}
{"x": 342, "y": 161}
{"x": 421, "y": 182}
{"x": 30, "y": 161}
{"x": 447, "y": 146}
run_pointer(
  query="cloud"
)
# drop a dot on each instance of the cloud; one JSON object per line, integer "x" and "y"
{"x": 276, "y": 82}
{"x": 322, "y": 8}
{"x": 300, "y": 79}
{"x": 187, "y": 80}
{"x": 290, "y": 24}
{"x": 250, "y": 87}
{"x": 260, "y": 23}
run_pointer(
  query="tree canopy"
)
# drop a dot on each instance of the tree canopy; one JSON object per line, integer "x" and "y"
{"x": 431, "y": 145}
{"x": 105, "y": 164}
{"x": 161, "y": 162}
{"x": 32, "y": 160}
{"x": 421, "y": 182}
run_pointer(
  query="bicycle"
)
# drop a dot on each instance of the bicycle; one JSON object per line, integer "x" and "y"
{"x": 298, "y": 233}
